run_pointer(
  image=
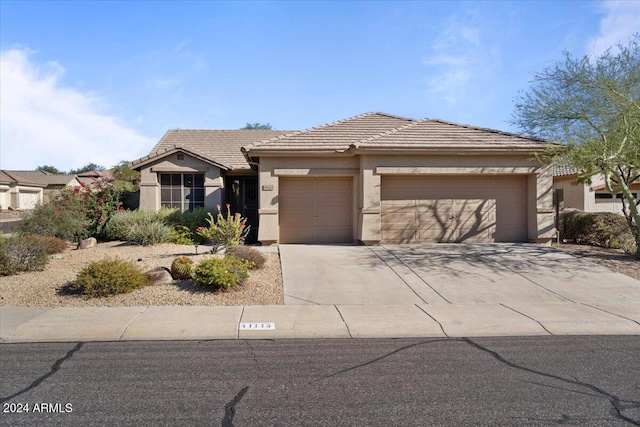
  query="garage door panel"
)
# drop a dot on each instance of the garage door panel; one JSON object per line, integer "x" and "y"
{"x": 315, "y": 210}
{"x": 447, "y": 208}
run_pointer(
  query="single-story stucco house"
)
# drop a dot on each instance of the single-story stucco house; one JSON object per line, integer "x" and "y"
{"x": 19, "y": 192}
{"x": 373, "y": 178}
{"x": 53, "y": 182}
{"x": 587, "y": 197}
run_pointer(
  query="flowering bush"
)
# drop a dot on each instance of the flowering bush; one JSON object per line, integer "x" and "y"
{"x": 224, "y": 230}
{"x": 98, "y": 202}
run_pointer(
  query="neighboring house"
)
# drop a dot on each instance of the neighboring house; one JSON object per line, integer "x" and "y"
{"x": 90, "y": 177}
{"x": 374, "y": 178}
{"x": 54, "y": 183}
{"x": 19, "y": 192}
{"x": 586, "y": 197}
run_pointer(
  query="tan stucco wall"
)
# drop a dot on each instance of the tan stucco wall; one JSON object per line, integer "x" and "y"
{"x": 150, "y": 185}
{"x": 367, "y": 171}
{"x": 573, "y": 194}
{"x": 583, "y": 197}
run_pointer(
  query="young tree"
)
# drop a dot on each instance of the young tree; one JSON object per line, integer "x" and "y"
{"x": 87, "y": 168}
{"x": 257, "y": 126}
{"x": 50, "y": 169}
{"x": 593, "y": 106}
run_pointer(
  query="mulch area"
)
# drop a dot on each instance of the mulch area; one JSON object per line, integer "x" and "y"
{"x": 615, "y": 259}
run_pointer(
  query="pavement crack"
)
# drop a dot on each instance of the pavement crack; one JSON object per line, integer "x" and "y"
{"x": 384, "y": 356}
{"x": 343, "y": 321}
{"x": 255, "y": 358}
{"x": 129, "y": 324}
{"x": 618, "y": 406}
{"x": 54, "y": 368}
{"x": 230, "y": 408}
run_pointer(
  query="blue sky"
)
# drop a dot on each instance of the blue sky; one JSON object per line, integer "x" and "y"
{"x": 97, "y": 81}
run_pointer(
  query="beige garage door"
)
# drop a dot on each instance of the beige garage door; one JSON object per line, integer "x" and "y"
{"x": 453, "y": 209}
{"x": 315, "y": 210}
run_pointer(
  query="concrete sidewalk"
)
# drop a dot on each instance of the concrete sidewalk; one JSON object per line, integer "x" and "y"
{"x": 35, "y": 324}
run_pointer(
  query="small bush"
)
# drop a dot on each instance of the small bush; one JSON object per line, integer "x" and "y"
{"x": 140, "y": 227}
{"x": 50, "y": 220}
{"x": 187, "y": 223}
{"x": 108, "y": 277}
{"x": 150, "y": 233}
{"x": 51, "y": 245}
{"x": 24, "y": 253}
{"x": 182, "y": 268}
{"x": 604, "y": 229}
{"x": 251, "y": 256}
{"x": 224, "y": 272}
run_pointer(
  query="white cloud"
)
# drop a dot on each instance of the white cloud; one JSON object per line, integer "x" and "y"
{"x": 45, "y": 122}
{"x": 621, "y": 20}
{"x": 459, "y": 60}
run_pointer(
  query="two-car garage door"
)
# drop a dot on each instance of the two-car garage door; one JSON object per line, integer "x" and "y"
{"x": 453, "y": 209}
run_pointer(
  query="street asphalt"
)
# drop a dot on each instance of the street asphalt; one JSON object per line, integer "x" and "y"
{"x": 378, "y": 292}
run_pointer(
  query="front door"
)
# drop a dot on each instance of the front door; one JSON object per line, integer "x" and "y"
{"x": 242, "y": 195}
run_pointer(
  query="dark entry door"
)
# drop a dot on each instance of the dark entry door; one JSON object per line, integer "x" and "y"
{"x": 242, "y": 195}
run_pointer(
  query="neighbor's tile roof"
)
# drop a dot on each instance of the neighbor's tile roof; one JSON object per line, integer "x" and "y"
{"x": 440, "y": 134}
{"x": 220, "y": 146}
{"x": 562, "y": 167}
{"x": 335, "y": 136}
{"x": 45, "y": 177}
{"x": 10, "y": 177}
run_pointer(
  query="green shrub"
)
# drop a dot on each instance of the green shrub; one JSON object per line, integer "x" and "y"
{"x": 108, "y": 277}
{"x": 604, "y": 229}
{"x": 140, "y": 227}
{"x": 187, "y": 223}
{"x": 224, "y": 230}
{"x": 224, "y": 272}
{"x": 51, "y": 245}
{"x": 251, "y": 256}
{"x": 150, "y": 233}
{"x": 50, "y": 220}
{"x": 182, "y": 268}
{"x": 23, "y": 253}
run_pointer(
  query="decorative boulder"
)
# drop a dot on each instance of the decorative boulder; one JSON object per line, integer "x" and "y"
{"x": 89, "y": 243}
{"x": 159, "y": 276}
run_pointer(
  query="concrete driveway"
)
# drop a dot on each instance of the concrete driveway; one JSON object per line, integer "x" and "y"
{"x": 508, "y": 274}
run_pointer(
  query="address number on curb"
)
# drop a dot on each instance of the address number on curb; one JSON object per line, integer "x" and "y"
{"x": 268, "y": 326}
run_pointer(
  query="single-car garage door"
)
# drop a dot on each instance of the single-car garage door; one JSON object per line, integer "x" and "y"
{"x": 453, "y": 209}
{"x": 315, "y": 210}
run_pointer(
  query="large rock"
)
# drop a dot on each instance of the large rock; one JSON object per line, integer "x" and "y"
{"x": 159, "y": 276}
{"x": 89, "y": 243}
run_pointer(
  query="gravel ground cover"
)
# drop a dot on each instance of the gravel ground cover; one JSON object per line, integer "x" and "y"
{"x": 47, "y": 288}
{"x": 614, "y": 259}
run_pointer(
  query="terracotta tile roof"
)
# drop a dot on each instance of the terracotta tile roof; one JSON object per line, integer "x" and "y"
{"x": 440, "y": 134}
{"x": 218, "y": 146}
{"x": 335, "y": 136}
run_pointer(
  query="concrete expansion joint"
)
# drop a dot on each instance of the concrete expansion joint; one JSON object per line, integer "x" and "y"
{"x": 609, "y": 312}
{"x": 435, "y": 320}
{"x": 528, "y": 317}
{"x": 343, "y": 321}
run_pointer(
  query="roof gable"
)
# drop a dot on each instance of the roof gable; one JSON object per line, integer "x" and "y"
{"x": 218, "y": 147}
{"x": 335, "y": 136}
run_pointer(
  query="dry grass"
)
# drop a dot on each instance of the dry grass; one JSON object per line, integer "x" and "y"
{"x": 614, "y": 259}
